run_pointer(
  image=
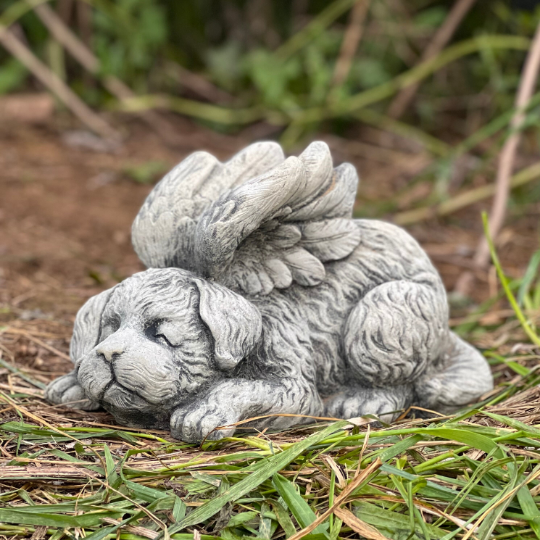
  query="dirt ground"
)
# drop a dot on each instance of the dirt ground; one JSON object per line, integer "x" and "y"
{"x": 66, "y": 211}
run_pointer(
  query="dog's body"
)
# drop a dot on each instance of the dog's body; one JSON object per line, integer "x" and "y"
{"x": 273, "y": 330}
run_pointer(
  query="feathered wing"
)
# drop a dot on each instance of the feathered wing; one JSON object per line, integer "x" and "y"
{"x": 255, "y": 223}
{"x": 163, "y": 231}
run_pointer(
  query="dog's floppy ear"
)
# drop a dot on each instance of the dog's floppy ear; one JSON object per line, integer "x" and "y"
{"x": 87, "y": 325}
{"x": 234, "y": 322}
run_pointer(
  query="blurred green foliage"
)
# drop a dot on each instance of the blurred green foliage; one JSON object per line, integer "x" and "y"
{"x": 258, "y": 53}
{"x": 127, "y": 35}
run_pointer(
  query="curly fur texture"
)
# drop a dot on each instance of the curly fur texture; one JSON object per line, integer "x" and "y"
{"x": 285, "y": 306}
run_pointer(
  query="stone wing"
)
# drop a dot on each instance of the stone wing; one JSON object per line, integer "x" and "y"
{"x": 163, "y": 231}
{"x": 262, "y": 226}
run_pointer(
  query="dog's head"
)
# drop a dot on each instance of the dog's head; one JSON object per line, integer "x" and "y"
{"x": 155, "y": 340}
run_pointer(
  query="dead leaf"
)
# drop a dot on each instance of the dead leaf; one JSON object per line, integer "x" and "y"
{"x": 359, "y": 526}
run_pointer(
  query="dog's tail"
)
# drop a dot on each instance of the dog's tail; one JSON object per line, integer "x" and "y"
{"x": 464, "y": 380}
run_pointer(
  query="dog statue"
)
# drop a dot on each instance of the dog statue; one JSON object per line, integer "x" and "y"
{"x": 264, "y": 298}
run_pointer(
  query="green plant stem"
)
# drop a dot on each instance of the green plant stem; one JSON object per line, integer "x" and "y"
{"x": 195, "y": 109}
{"x": 432, "y": 144}
{"x": 504, "y": 282}
{"x": 465, "y": 199}
{"x": 18, "y": 10}
{"x": 348, "y": 106}
{"x": 414, "y": 75}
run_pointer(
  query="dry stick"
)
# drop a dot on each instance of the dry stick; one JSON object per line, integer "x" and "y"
{"x": 56, "y": 85}
{"x": 34, "y": 417}
{"x": 352, "y": 37}
{"x": 198, "y": 84}
{"x": 90, "y": 62}
{"x": 140, "y": 531}
{"x": 442, "y": 37}
{"x": 84, "y": 21}
{"x": 464, "y": 199}
{"x": 506, "y": 163}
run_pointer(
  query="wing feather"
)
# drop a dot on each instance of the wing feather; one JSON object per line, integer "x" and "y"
{"x": 330, "y": 240}
{"x": 183, "y": 195}
{"x": 279, "y": 273}
{"x": 338, "y": 201}
{"x": 305, "y": 268}
{"x": 256, "y": 222}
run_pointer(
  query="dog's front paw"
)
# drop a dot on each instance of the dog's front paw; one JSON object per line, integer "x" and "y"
{"x": 199, "y": 421}
{"x": 67, "y": 390}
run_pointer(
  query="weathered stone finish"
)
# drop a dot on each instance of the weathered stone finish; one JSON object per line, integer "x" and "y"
{"x": 263, "y": 296}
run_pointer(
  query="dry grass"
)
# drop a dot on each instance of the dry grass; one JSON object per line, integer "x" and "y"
{"x": 67, "y": 473}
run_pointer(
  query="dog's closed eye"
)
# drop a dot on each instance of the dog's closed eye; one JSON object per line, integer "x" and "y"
{"x": 167, "y": 332}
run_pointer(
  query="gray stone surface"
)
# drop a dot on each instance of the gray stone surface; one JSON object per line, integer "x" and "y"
{"x": 263, "y": 296}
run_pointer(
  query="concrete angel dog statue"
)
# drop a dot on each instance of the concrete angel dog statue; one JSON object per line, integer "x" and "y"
{"x": 264, "y": 296}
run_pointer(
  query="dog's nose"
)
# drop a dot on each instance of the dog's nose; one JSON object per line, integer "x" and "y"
{"x": 109, "y": 349}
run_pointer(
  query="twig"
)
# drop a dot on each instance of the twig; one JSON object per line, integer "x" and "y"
{"x": 317, "y": 25}
{"x": 67, "y": 38}
{"x": 356, "y": 481}
{"x": 197, "y": 83}
{"x": 34, "y": 417}
{"x": 140, "y": 531}
{"x": 465, "y": 199}
{"x": 17, "y": 472}
{"x": 506, "y": 163}
{"x": 90, "y": 62}
{"x": 349, "y": 106}
{"x": 440, "y": 39}
{"x": 33, "y": 338}
{"x": 21, "y": 390}
{"x": 84, "y": 22}
{"x": 19, "y": 373}
{"x": 359, "y": 526}
{"x": 56, "y": 85}
{"x": 351, "y": 39}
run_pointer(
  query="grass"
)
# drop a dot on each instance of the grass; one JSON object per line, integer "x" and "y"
{"x": 474, "y": 474}
{"x": 436, "y": 478}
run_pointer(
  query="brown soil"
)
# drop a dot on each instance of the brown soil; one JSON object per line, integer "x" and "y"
{"x": 66, "y": 213}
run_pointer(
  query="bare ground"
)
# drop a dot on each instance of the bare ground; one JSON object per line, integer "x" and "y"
{"x": 66, "y": 213}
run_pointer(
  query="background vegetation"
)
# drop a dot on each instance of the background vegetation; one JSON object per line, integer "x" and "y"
{"x": 279, "y": 58}
{"x": 234, "y": 63}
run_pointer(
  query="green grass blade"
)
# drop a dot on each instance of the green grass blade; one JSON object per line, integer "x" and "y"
{"x": 529, "y": 508}
{"x": 465, "y": 436}
{"x": 504, "y": 282}
{"x": 21, "y": 517}
{"x": 299, "y": 508}
{"x": 283, "y": 518}
{"x": 391, "y": 522}
{"x": 267, "y": 469}
{"x": 399, "y": 448}
{"x": 528, "y": 278}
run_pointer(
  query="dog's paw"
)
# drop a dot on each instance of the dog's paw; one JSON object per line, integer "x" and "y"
{"x": 67, "y": 390}
{"x": 199, "y": 421}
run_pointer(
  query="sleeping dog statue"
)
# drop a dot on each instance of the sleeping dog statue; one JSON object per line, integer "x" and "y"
{"x": 263, "y": 297}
